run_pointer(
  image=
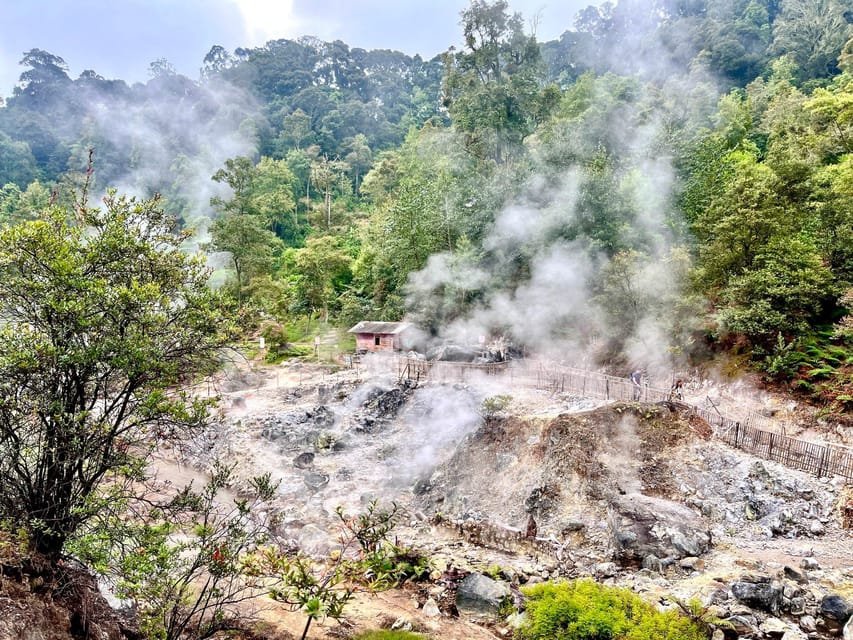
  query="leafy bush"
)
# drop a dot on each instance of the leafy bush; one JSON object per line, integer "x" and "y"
{"x": 382, "y": 564}
{"x": 586, "y": 610}
{"x": 495, "y": 404}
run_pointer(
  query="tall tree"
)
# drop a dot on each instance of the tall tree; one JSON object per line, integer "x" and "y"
{"x": 101, "y": 315}
{"x": 494, "y": 88}
{"x": 813, "y": 33}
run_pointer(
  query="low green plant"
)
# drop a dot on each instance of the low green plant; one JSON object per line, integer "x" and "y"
{"x": 385, "y": 634}
{"x": 183, "y": 562}
{"x": 704, "y": 617}
{"x": 784, "y": 360}
{"x": 495, "y": 404}
{"x": 382, "y": 563}
{"x": 365, "y": 556}
{"x": 586, "y": 610}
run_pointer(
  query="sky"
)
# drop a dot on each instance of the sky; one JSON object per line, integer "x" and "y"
{"x": 120, "y": 38}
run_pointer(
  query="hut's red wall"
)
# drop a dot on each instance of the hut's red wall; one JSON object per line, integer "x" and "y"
{"x": 367, "y": 342}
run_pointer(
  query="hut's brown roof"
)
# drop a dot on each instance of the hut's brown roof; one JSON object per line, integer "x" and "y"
{"x": 366, "y": 326}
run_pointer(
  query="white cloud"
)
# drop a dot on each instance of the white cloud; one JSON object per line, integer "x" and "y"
{"x": 266, "y": 20}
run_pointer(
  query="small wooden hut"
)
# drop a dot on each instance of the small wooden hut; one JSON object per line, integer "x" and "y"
{"x": 381, "y": 336}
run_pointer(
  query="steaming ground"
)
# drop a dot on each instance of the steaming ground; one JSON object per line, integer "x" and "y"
{"x": 630, "y": 493}
{"x": 332, "y": 441}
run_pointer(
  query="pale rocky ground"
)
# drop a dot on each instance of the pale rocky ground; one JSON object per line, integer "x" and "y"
{"x": 332, "y": 439}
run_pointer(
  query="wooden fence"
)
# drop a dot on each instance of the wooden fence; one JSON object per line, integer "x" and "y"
{"x": 742, "y": 432}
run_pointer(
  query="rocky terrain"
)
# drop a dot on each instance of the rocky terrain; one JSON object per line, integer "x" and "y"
{"x": 525, "y": 487}
{"x": 548, "y": 486}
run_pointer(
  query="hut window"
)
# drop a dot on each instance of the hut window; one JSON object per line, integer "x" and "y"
{"x": 376, "y": 340}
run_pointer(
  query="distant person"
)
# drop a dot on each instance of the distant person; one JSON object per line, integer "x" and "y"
{"x": 637, "y": 381}
{"x": 677, "y": 391}
{"x": 531, "y": 527}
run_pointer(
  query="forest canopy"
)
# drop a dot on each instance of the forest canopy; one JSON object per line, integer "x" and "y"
{"x": 665, "y": 181}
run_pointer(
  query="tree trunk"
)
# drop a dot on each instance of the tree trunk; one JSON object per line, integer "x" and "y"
{"x": 328, "y": 209}
{"x": 307, "y": 625}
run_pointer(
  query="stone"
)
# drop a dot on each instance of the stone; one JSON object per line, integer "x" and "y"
{"x": 810, "y": 564}
{"x": 304, "y": 460}
{"x": 315, "y": 481}
{"x": 816, "y": 528}
{"x": 808, "y": 624}
{"x": 718, "y": 635}
{"x": 835, "y": 608}
{"x": 794, "y": 634}
{"x": 480, "y": 594}
{"x": 430, "y": 609}
{"x": 606, "y": 569}
{"x": 743, "y": 625}
{"x": 791, "y": 590}
{"x": 796, "y": 576}
{"x": 773, "y": 627}
{"x": 692, "y": 563}
{"x": 763, "y": 596}
{"x": 572, "y": 527}
{"x": 797, "y": 606}
{"x": 401, "y": 624}
{"x": 756, "y": 578}
{"x": 646, "y": 525}
{"x": 717, "y": 596}
{"x": 847, "y": 633}
{"x": 652, "y": 563}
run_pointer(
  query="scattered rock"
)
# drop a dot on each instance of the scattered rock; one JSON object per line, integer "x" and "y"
{"x": 796, "y": 576}
{"x": 480, "y": 594}
{"x": 315, "y": 481}
{"x": 763, "y": 596}
{"x": 835, "y": 608}
{"x": 304, "y": 460}
{"x": 692, "y": 563}
{"x": 797, "y": 606}
{"x": 808, "y": 624}
{"x": 773, "y": 627}
{"x": 847, "y": 634}
{"x": 743, "y": 625}
{"x": 572, "y": 527}
{"x": 810, "y": 564}
{"x": 401, "y": 624}
{"x": 606, "y": 569}
{"x": 654, "y": 526}
{"x": 430, "y": 609}
{"x": 653, "y": 563}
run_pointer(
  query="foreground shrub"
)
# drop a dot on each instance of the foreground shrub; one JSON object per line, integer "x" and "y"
{"x": 586, "y": 610}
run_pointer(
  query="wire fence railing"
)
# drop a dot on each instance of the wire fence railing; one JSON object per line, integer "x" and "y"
{"x": 749, "y": 430}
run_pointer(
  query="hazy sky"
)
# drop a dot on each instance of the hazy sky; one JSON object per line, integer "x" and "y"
{"x": 119, "y": 38}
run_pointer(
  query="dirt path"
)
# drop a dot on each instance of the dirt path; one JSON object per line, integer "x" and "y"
{"x": 373, "y": 611}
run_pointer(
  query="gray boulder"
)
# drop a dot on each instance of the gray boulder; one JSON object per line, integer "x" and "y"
{"x": 764, "y": 596}
{"x": 480, "y": 594}
{"x": 646, "y": 526}
{"x": 835, "y": 608}
{"x": 744, "y": 625}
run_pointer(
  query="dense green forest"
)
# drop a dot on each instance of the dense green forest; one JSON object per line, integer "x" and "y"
{"x": 666, "y": 181}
